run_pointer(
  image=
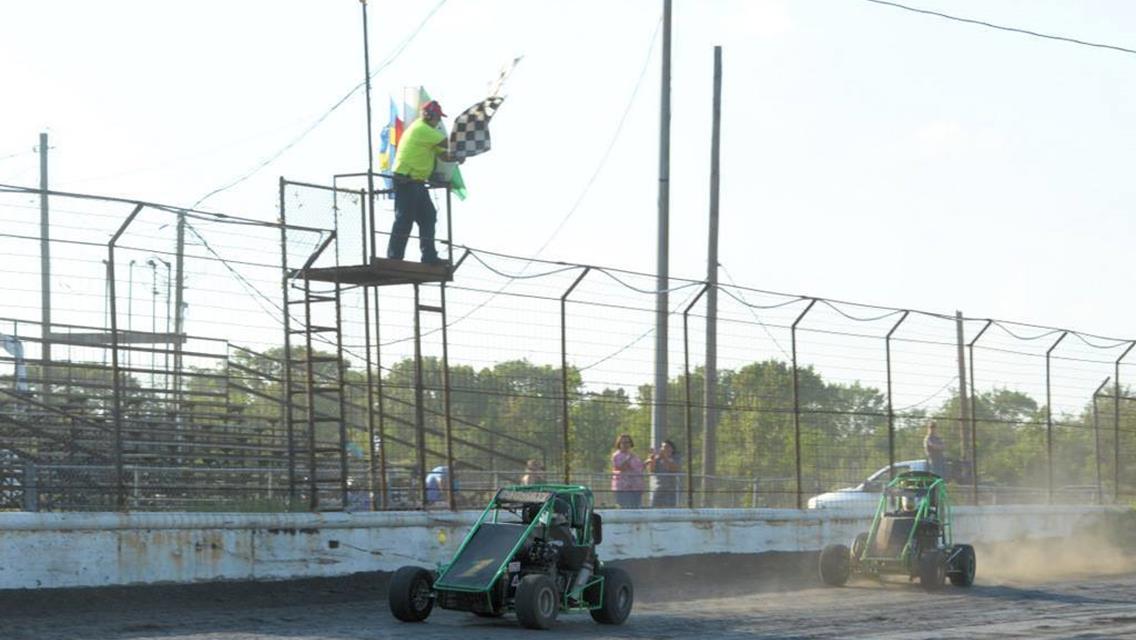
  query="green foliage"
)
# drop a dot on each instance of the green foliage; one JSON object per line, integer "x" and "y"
{"x": 512, "y": 411}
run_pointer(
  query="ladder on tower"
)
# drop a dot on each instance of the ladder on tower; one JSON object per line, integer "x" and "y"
{"x": 316, "y": 405}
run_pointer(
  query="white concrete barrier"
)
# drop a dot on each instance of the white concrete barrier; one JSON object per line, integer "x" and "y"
{"x": 44, "y": 550}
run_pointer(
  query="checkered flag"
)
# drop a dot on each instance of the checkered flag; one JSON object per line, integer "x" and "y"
{"x": 470, "y": 136}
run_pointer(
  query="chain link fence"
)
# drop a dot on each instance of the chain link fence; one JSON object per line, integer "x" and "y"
{"x": 169, "y": 378}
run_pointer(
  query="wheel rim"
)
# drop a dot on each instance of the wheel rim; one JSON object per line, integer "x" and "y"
{"x": 546, "y": 602}
{"x": 420, "y": 595}
{"x": 622, "y": 598}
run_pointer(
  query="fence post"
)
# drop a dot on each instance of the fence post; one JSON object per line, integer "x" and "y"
{"x": 567, "y": 458}
{"x": 686, "y": 379}
{"x": 797, "y": 403}
{"x": 116, "y": 373}
{"x": 287, "y": 413}
{"x": 1096, "y": 438}
{"x": 891, "y": 411}
{"x": 1116, "y": 426}
{"x": 1049, "y": 417}
{"x": 973, "y": 414}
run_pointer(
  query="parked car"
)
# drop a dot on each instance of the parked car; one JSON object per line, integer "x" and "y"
{"x": 865, "y": 495}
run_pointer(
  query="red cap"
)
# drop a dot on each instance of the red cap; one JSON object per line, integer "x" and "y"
{"x": 433, "y": 108}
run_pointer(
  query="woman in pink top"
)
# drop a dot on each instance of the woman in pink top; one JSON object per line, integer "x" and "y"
{"x": 627, "y": 480}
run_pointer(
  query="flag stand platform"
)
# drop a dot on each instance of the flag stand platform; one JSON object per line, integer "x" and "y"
{"x": 380, "y": 272}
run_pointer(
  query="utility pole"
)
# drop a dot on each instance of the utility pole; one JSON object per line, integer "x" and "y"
{"x": 662, "y": 303}
{"x": 44, "y": 270}
{"x": 710, "y": 394}
{"x": 964, "y": 404}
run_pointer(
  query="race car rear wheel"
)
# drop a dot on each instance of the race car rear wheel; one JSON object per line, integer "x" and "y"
{"x": 411, "y": 594}
{"x": 963, "y": 564}
{"x": 835, "y": 565}
{"x": 537, "y": 602}
{"x": 618, "y": 597}
{"x": 932, "y": 569}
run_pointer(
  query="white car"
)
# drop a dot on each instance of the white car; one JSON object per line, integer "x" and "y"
{"x": 865, "y": 495}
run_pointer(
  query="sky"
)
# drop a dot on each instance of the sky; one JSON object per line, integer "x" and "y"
{"x": 869, "y": 154}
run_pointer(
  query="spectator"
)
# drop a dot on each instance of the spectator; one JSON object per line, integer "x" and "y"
{"x": 358, "y": 498}
{"x": 439, "y": 486}
{"x": 534, "y": 473}
{"x": 665, "y": 465}
{"x": 626, "y": 474}
{"x": 936, "y": 451}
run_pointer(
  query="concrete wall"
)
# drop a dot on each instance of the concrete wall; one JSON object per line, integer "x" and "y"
{"x": 74, "y": 549}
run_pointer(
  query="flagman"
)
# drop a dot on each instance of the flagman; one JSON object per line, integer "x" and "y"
{"x": 420, "y": 145}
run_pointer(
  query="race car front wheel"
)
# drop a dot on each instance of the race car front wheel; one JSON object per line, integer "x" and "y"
{"x": 536, "y": 601}
{"x": 618, "y": 596}
{"x": 963, "y": 564}
{"x": 932, "y": 569}
{"x": 411, "y": 594}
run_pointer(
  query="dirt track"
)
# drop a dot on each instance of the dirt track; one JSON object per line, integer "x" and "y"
{"x": 714, "y": 597}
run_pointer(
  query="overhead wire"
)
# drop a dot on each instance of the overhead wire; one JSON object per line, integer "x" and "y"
{"x": 999, "y": 27}
{"x": 754, "y": 313}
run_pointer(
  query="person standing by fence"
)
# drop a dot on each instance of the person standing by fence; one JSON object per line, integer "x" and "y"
{"x": 626, "y": 474}
{"x": 664, "y": 465}
{"x": 936, "y": 451}
{"x": 534, "y": 473}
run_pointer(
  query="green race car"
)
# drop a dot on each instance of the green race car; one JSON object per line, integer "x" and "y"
{"x": 532, "y": 551}
{"x": 910, "y": 535}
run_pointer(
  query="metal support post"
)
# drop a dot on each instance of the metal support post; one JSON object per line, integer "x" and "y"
{"x": 384, "y": 488}
{"x": 1096, "y": 441}
{"x": 797, "y": 404}
{"x": 116, "y": 374}
{"x": 564, "y": 373}
{"x": 973, "y": 415}
{"x": 891, "y": 411}
{"x": 686, "y": 380}
{"x": 286, "y": 390}
{"x": 369, "y": 230}
{"x": 310, "y": 391}
{"x": 1049, "y": 418}
{"x": 452, "y": 472}
{"x": 419, "y": 395}
{"x": 1116, "y": 425}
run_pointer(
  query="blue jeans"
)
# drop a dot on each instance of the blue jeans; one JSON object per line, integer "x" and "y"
{"x": 412, "y": 205}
